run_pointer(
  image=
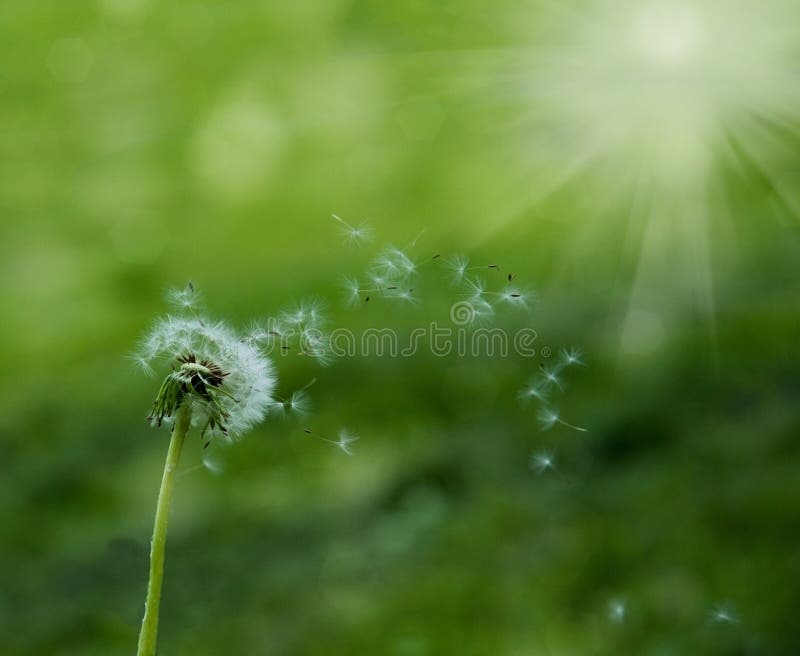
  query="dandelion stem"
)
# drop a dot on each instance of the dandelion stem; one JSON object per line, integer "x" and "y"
{"x": 149, "y": 632}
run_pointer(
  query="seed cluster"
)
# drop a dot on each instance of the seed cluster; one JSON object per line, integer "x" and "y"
{"x": 201, "y": 379}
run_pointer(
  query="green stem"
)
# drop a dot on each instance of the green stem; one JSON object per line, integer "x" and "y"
{"x": 149, "y": 633}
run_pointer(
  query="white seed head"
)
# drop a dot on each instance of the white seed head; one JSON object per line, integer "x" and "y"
{"x": 246, "y": 393}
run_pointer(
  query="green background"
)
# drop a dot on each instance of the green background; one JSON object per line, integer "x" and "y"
{"x": 143, "y": 144}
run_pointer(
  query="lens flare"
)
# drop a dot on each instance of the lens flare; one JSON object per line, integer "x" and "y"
{"x": 641, "y": 110}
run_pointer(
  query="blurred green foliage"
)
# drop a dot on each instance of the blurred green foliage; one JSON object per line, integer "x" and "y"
{"x": 143, "y": 144}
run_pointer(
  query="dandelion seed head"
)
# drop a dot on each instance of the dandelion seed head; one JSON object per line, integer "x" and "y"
{"x": 191, "y": 345}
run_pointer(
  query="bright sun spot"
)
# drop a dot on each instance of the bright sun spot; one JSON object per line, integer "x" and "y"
{"x": 645, "y": 106}
{"x": 668, "y": 33}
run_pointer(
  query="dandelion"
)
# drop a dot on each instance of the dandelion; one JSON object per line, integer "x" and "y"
{"x": 549, "y": 417}
{"x": 219, "y": 382}
{"x": 542, "y": 461}
{"x": 356, "y": 235}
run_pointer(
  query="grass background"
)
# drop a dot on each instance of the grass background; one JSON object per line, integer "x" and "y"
{"x": 143, "y": 144}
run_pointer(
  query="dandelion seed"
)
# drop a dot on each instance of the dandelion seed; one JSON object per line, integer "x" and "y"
{"x": 550, "y": 377}
{"x": 542, "y": 461}
{"x": 533, "y": 391}
{"x": 572, "y": 357}
{"x": 142, "y": 363}
{"x": 516, "y": 297}
{"x": 476, "y": 288}
{"x": 345, "y": 440}
{"x": 616, "y": 611}
{"x": 352, "y": 289}
{"x": 298, "y": 403}
{"x": 724, "y": 614}
{"x": 213, "y": 462}
{"x": 457, "y": 265}
{"x": 549, "y": 417}
{"x": 187, "y": 298}
{"x": 394, "y": 262}
{"x": 356, "y": 235}
{"x": 407, "y": 295}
